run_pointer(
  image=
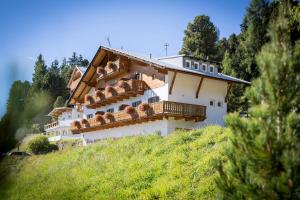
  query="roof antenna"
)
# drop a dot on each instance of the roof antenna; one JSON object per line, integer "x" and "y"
{"x": 150, "y": 55}
{"x": 108, "y": 41}
{"x": 166, "y": 48}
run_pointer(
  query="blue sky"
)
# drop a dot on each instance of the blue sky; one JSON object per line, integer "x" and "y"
{"x": 56, "y": 28}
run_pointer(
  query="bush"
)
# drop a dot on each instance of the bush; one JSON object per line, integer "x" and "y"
{"x": 41, "y": 145}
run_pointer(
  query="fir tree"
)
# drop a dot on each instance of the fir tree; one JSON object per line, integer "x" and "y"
{"x": 59, "y": 102}
{"x": 200, "y": 38}
{"x": 40, "y": 71}
{"x": 264, "y": 152}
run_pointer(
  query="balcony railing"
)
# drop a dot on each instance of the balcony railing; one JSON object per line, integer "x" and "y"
{"x": 51, "y": 125}
{"x": 112, "y": 94}
{"x": 151, "y": 112}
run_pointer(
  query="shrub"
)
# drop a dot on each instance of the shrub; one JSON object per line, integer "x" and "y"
{"x": 41, "y": 145}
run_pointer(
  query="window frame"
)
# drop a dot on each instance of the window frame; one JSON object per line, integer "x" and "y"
{"x": 213, "y": 103}
{"x": 110, "y": 110}
{"x": 136, "y": 103}
{"x": 189, "y": 62}
{"x": 205, "y": 66}
{"x": 213, "y": 69}
{"x": 90, "y": 116}
{"x": 153, "y": 99}
{"x": 196, "y": 64}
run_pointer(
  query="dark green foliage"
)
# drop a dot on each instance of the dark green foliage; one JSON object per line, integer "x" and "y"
{"x": 59, "y": 102}
{"x": 200, "y": 38}
{"x": 39, "y": 81}
{"x": 28, "y": 105}
{"x": 240, "y": 57}
{"x": 14, "y": 118}
{"x": 41, "y": 145}
{"x": 264, "y": 154}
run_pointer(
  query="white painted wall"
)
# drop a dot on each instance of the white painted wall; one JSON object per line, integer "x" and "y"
{"x": 160, "y": 126}
{"x": 64, "y": 123}
{"x": 184, "y": 90}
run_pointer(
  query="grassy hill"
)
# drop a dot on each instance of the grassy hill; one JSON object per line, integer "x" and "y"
{"x": 144, "y": 167}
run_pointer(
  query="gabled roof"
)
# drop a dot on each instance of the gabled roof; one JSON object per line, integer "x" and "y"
{"x": 59, "y": 110}
{"x": 153, "y": 62}
{"x": 175, "y": 67}
{"x": 76, "y": 68}
{"x": 81, "y": 69}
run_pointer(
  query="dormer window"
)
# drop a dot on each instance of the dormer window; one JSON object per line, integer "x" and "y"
{"x": 211, "y": 69}
{"x": 204, "y": 67}
{"x": 196, "y": 65}
{"x": 187, "y": 64}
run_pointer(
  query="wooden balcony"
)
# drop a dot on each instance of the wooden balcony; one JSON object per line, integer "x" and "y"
{"x": 51, "y": 125}
{"x": 155, "y": 111}
{"x": 112, "y": 69}
{"x": 112, "y": 94}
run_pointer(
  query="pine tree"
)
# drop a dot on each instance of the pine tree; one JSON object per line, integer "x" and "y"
{"x": 200, "y": 38}
{"x": 263, "y": 158}
{"x": 14, "y": 117}
{"x": 40, "y": 71}
{"x": 59, "y": 102}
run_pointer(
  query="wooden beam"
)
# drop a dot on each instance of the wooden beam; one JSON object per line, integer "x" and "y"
{"x": 90, "y": 84}
{"x": 199, "y": 87}
{"x": 172, "y": 83}
{"x": 228, "y": 90}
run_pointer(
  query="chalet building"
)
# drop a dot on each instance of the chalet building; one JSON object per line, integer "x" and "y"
{"x": 123, "y": 94}
{"x": 65, "y": 115}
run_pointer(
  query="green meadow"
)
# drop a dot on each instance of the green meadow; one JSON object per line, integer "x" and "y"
{"x": 178, "y": 166}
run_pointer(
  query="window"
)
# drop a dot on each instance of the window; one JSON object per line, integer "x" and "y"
{"x": 136, "y": 103}
{"x": 187, "y": 64}
{"x": 153, "y": 76}
{"x": 212, "y": 102}
{"x": 204, "y": 67}
{"x": 211, "y": 69}
{"x": 138, "y": 76}
{"x": 89, "y": 116}
{"x": 219, "y": 104}
{"x": 123, "y": 106}
{"x": 196, "y": 65}
{"x": 111, "y": 110}
{"x": 153, "y": 99}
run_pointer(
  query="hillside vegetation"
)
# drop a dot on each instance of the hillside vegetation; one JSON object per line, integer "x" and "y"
{"x": 178, "y": 166}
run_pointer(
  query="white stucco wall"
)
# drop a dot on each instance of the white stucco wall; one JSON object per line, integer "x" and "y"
{"x": 160, "y": 126}
{"x": 64, "y": 123}
{"x": 184, "y": 90}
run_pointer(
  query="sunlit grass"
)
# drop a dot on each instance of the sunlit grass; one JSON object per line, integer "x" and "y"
{"x": 178, "y": 166}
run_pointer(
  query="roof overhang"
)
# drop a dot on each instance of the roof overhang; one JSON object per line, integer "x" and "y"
{"x": 90, "y": 74}
{"x": 59, "y": 110}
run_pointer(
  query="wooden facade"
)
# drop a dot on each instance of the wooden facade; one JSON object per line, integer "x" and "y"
{"x": 155, "y": 111}
{"x": 114, "y": 93}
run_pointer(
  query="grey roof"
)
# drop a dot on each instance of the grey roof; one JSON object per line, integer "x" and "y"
{"x": 176, "y": 67}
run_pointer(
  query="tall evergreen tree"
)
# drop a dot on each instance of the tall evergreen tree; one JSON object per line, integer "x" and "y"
{"x": 14, "y": 118}
{"x": 264, "y": 152}
{"x": 59, "y": 102}
{"x": 40, "y": 71}
{"x": 200, "y": 38}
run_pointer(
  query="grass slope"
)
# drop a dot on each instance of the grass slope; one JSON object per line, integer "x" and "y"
{"x": 144, "y": 167}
